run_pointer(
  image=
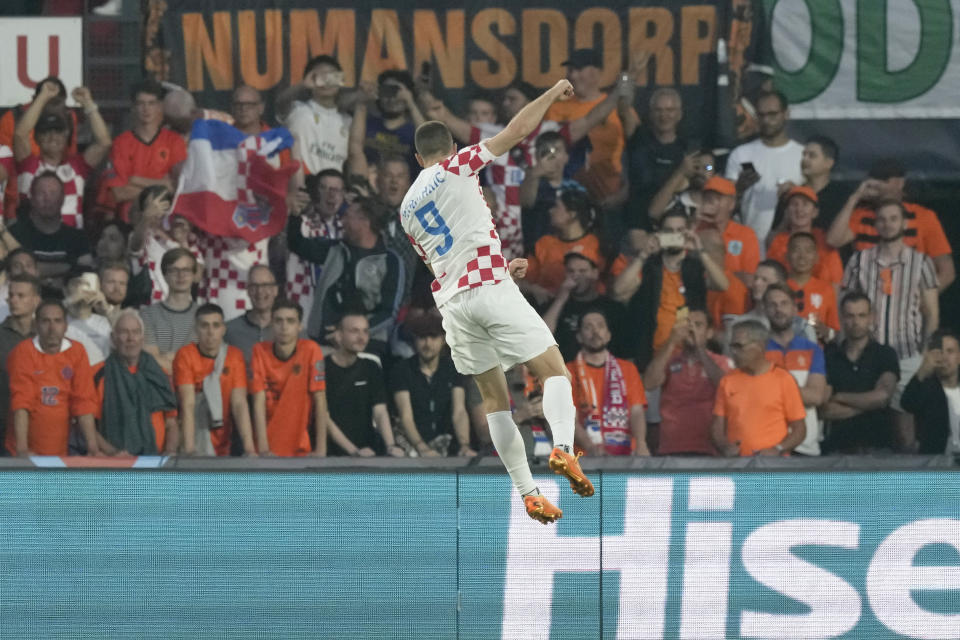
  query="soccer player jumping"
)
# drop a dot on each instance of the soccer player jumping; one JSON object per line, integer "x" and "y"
{"x": 490, "y": 327}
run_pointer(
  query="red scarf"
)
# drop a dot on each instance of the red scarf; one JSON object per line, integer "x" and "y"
{"x": 614, "y": 414}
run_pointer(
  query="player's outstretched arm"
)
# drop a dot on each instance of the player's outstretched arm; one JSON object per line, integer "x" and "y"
{"x": 528, "y": 118}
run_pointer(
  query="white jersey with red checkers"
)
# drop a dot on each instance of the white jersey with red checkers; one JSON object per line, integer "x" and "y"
{"x": 448, "y": 221}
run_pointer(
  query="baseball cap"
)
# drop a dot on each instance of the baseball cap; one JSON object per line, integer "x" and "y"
{"x": 50, "y": 122}
{"x": 806, "y": 192}
{"x": 721, "y": 186}
{"x": 887, "y": 168}
{"x": 581, "y": 58}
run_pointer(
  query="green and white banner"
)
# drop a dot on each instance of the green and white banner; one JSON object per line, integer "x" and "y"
{"x": 867, "y": 59}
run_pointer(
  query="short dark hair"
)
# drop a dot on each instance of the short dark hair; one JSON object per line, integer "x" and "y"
{"x": 374, "y": 211}
{"x": 779, "y": 95}
{"x": 50, "y": 302}
{"x": 936, "y": 340}
{"x": 597, "y": 310}
{"x": 574, "y": 255}
{"x": 675, "y": 212}
{"x": 316, "y": 61}
{"x": 208, "y": 309}
{"x": 286, "y": 303}
{"x": 781, "y": 271}
{"x": 391, "y": 158}
{"x": 352, "y": 311}
{"x": 149, "y": 86}
{"x": 171, "y": 256}
{"x": 782, "y": 288}
{"x": 399, "y": 75}
{"x": 696, "y": 308}
{"x": 889, "y": 202}
{"x": 528, "y": 90}
{"x": 26, "y": 278}
{"x": 483, "y": 96}
{"x": 826, "y": 144}
{"x": 46, "y": 175}
{"x": 579, "y": 202}
{"x": 856, "y": 296}
{"x": 432, "y": 138}
{"x": 549, "y": 139}
{"x": 16, "y": 252}
{"x": 803, "y": 235}
{"x": 328, "y": 173}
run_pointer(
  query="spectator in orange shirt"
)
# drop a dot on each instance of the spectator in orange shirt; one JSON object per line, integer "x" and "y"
{"x": 608, "y": 393}
{"x": 742, "y": 251}
{"x": 816, "y": 299}
{"x": 136, "y": 406}
{"x": 801, "y": 210}
{"x": 50, "y": 383}
{"x": 758, "y": 410}
{"x": 603, "y": 167}
{"x": 857, "y": 221}
{"x": 148, "y": 154}
{"x": 288, "y": 385}
{"x": 211, "y": 384}
{"x": 571, "y": 217}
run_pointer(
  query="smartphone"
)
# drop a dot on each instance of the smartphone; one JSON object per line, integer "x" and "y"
{"x": 671, "y": 240}
{"x": 747, "y": 166}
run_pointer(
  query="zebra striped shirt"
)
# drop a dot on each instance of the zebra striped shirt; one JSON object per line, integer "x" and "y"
{"x": 895, "y": 289}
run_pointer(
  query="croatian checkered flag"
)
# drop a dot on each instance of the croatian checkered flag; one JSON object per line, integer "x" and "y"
{"x": 227, "y": 186}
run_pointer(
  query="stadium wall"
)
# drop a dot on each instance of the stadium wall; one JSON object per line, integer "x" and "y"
{"x": 451, "y": 554}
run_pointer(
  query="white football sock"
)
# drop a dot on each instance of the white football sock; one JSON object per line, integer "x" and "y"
{"x": 559, "y": 411}
{"x": 506, "y": 438}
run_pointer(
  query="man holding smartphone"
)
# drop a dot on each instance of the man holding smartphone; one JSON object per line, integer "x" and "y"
{"x": 761, "y": 166}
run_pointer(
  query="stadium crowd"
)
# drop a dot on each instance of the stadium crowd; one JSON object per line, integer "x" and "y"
{"x": 757, "y": 309}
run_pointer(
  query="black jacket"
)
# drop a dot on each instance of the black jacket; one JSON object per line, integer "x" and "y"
{"x": 927, "y": 402}
{"x": 642, "y": 307}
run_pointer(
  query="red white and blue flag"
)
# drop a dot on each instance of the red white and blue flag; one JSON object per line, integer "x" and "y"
{"x": 228, "y": 186}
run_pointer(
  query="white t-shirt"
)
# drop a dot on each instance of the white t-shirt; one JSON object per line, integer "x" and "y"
{"x": 775, "y": 165}
{"x": 447, "y": 218}
{"x": 953, "y": 406}
{"x": 323, "y": 134}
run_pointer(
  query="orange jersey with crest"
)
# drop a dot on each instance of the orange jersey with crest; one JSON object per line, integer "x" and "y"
{"x": 191, "y": 367}
{"x": 289, "y": 386}
{"x": 52, "y": 388}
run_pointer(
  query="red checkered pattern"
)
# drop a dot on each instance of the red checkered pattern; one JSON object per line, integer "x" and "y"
{"x": 302, "y": 275}
{"x": 504, "y": 178}
{"x": 246, "y": 152}
{"x": 73, "y": 172}
{"x": 466, "y": 163}
{"x": 227, "y": 263}
{"x": 487, "y": 268}
{"x": 155, "y": 244}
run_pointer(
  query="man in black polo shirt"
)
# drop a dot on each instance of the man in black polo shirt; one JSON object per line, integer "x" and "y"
{"x": 356, "y": 395}
{"x": 429, "y": 394}
{"x": 862, "y": 375}
{"x": 59, "y": 249}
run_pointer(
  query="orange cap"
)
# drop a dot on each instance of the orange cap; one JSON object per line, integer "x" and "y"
{"x": 721, "y": 186}
{"x": 806, "y": 192}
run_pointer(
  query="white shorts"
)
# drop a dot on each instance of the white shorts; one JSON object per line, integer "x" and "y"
{"x": 492, "y": 326}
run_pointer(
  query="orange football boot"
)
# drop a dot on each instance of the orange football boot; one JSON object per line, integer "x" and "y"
{"x": 568, "y": 466}
{"x": 540, "y": 509}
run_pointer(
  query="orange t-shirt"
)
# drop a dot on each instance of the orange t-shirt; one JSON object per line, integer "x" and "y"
{"x": 607, "y": 139}
{"x": 288, "y": 385}
{"x": 734, "y": 301}
{"x": 742, "y": 251}
{"x": 157, "y": 418}
{"x": 588, "y": 396}
{"x": 191, "y": 367}
{"x": 819, "y": 298}
{"x": 131, "y": 156}
{"x": 671, "y": 299}
{"x": 924, "y": 232}
{"x": 758, "y": 408}
{"x": 829, "y": 266}
{"x": 53, "y": 388}
{"x": 546, "y": 264}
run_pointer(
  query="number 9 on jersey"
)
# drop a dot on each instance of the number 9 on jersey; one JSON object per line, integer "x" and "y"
{"x": 432, "y": 222}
